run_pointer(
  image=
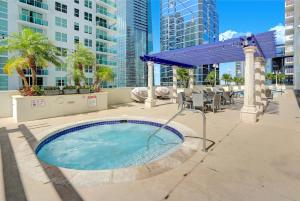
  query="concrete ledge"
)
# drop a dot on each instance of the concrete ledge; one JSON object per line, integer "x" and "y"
{"x": 28, "y": 108}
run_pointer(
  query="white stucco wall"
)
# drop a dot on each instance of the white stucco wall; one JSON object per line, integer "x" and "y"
{"x": 40, "y": 107}
{"x": 6, "y": 103}
{"x": 119, "y": 95}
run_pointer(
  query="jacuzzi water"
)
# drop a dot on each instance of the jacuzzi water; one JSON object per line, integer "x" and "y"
{"x": 108, "y": 146}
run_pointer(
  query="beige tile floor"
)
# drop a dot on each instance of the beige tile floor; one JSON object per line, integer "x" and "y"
{"x": 248, "y": 162}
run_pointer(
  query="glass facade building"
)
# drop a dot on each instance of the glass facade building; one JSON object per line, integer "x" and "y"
{"x": 3, "y": 31}
{"x": 186, "y": 23}
{"x": 134, "y": 40}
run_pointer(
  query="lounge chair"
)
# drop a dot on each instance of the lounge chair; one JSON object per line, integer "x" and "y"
{"x": 182, "y": 103}
{"x": 216, "y": 102}
{"x": 227, "y": 97}
{"x": 162, "y": 92}
{"x": 198, "y": 101}
{"x": 269, "y": 94}
{"x": 139, "y": 94}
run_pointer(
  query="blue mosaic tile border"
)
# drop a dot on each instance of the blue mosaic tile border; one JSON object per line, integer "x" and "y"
{"x": 87, "y": 125}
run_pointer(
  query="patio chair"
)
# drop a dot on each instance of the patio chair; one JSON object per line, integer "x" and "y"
{"x": 182, "y": 103}
{"x": 216, "y": 102}
{"x": 227, "y": 97}
{"x": 269, "y": 94}
{"x": 198, "y": 101}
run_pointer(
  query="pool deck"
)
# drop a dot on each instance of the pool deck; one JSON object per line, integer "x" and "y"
{"x": 248, "y": 161}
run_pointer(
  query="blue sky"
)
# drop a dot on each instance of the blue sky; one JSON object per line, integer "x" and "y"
{"x": 235, "y": 17}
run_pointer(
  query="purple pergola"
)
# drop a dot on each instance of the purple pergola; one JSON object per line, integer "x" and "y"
{"x": 219, "y": 52}
{"x": 253, "y": 49}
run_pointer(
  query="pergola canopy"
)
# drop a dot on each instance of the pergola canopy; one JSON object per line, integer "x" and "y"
{"x": 219, "y": 52}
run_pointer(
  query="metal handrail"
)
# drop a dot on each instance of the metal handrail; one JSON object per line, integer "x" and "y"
{"x": 173, "y": 117}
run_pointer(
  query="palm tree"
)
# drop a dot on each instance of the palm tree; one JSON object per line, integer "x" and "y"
{"x": 183, "y": 76}
{"x": 18, "y": 64}
{"x": 103, "y": 74}
{"x": 211, "y": 77}
{"x": 270, "y": 77}
{"x": 281, "y": 77}
{"x": 80, "y": 58}
{"x": 238, "y": 80}
{"x": 226, "y": 78}
{"x": 35, "y": 47}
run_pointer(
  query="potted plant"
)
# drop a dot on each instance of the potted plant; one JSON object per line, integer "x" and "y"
{"x": 84, "y": 89}
{"x": 51, "y": 91}
{"x": 70, "y": 90}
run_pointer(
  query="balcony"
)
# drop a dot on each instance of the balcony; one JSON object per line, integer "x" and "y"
{"x": 35, "y": 3}
{"x": 289, "y": 38}
{"x": 105, "y": 27}
{"x": 106, "y": 50}
{"x": 289, "y": 3}
{"x": 106, "y": 14}
{"x": 289, "y": 60}
{"x": 289, "y": 71}
{"x": 289, "y": 26}
{"x": 33, "y": 20}
{"x": 289, "y": 49}
{"x": 289, "y": 15}
{"x": 109, "y": 3}
{"x": 106, "y": 38}
{"x": 107, "y": 63}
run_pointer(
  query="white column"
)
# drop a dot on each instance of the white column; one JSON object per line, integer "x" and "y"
{"x": 191, "y": 81}
{"x": 150, "y": 102}
{"x": 264, "y": 99}
{"x": 259, "y": 104}
{"x": 249, "y": 111}
{"x": 174, "y": 95}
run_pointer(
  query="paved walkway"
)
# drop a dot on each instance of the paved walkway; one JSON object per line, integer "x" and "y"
{"x": 248, "y": 162}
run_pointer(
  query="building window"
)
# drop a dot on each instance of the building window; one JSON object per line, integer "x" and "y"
{"x": 88, "y": 43}
{"x": 61, "y": 22}
{"x": 61, "y": 51}
{"x": 76, "y": 1}
{"x": 3, "y": 82}
{"x": 89, "y": 81}
{"x": 88, "y": 3}
{"x": 88, "y": 29}
{"x": 61, "y": 68}
{"x": 76, "y": 26}
{"x": 61, "y": 37}
{"x": 61, "y": 7}
{"x": 76, "y": 39}
{"x": 88, "y": 16}
{"x": 88, "y": 69}
{"x": 61, "y": 81}
{"x": 76, "y": 12}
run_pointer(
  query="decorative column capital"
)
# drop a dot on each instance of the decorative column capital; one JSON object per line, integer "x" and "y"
{"x": 150, "y": 63}
{"x": 250, "y": 49}
{"x": 261, "y": 60}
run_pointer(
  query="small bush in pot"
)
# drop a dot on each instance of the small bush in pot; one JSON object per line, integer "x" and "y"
{"x": 51, "y": 91}
{"x": 84, "y": 89}
{"x": 70, "y": 90}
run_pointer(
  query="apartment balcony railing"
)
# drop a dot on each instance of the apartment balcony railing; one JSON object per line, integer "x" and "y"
{"x": 108, "y": 63}
{"x": 106, "y": 50}
{"x": 289, "y": 71}
{"x": 106, "y": 27}
{"x": 108, "y": 14}
{"x": 289, "y": 26}
{"x": 289, "y": 49}
{"x": 33, "y": 20}
{"x": 35, "y": 3}
{"x": 289, "y": 14}
{"x": 289, "y": 60}
{"x": 289, "y": 38}
{"x": 107, "y": 38}
{"x": 110, "y": 3}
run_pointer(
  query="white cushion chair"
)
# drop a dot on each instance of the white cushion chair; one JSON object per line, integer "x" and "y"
{"x": 139, "y": 94}
{"x": 162, "y": 92}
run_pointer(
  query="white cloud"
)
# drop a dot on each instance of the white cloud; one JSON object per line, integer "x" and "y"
{"x": 279, "y": 29}
{"x": 280, "y": 32}
{"x": 231, "y": 34}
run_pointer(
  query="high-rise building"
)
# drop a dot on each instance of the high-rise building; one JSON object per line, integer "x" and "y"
{"x": 135, "y": 40}
{"x": 289, "y": 38}
{"x": 65, "y": 23}
{"x": 184, "y": 24}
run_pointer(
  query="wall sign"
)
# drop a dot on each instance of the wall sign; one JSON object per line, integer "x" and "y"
{"x": 38, "y": 103}
{"x": 92, "y": 101}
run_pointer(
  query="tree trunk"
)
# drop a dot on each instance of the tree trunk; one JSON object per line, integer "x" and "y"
{"x": 33, "y": 71}
{"x": 21, "y": 74}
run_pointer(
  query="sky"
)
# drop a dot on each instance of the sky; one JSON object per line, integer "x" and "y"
{"x": 236, "y": 17}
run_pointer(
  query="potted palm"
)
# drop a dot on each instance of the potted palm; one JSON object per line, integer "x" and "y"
{"x": 102, "y": 74}
{"x": 70, "y": 90}
{"x": 33, "y": 50}
{"x": 79, "y": 59}
{"x": 51, "y": 91}
{"x": 210, "y": 78}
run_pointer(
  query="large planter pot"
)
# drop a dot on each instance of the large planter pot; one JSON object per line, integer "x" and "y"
{"x": 84, "y": 91}
{"x": 70, "y": 91}
{"x": 52, "y": 92}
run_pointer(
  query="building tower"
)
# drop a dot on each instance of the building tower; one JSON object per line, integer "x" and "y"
{"x": 185, "y": 24}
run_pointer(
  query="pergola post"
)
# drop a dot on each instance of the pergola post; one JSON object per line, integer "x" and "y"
{"x": 249, "y": 111}
{"x": 174, "y": 95}
{"x": 192, "y": 79}
{"x": 150, "y": 102}
{"x": 259, "y": 104}
{"x": 264, "y": 99}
